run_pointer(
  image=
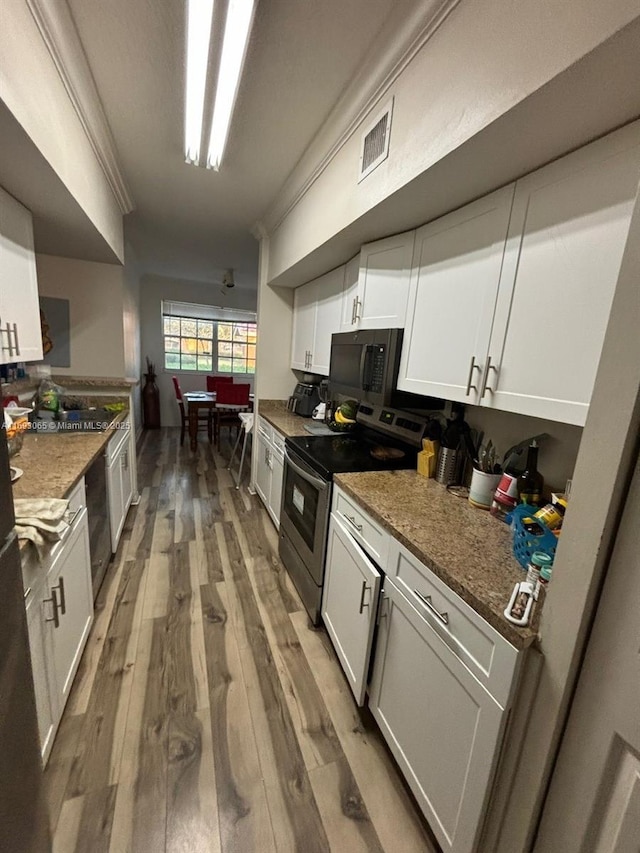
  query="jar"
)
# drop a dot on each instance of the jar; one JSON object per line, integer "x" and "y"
{"x": 552, "y": 514}
{"x": 538, "y": 561}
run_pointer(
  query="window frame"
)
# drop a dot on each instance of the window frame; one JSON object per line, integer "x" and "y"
{"x": 213, "y": 351}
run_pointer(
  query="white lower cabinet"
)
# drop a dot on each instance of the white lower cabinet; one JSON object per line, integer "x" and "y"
{"x": 59, "y": 607}
{"x": 350, "y": 604}
{"x": 270, "y": 468}
{"x": 119, "y": 483}
{"x": 442, "y": 677}
{"x": 442, "y": 726}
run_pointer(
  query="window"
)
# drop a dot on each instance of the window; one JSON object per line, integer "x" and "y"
{"x": 212, "y": 346}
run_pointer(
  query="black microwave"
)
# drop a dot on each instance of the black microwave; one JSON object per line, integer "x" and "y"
{"x": 364, "y": 365}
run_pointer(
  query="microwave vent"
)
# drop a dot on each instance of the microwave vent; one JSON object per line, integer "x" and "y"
{"x": 375, "y": 142}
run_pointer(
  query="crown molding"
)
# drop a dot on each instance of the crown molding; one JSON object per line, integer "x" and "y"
{"x": 58, "y": 30}
{"x": 386, "y": 60}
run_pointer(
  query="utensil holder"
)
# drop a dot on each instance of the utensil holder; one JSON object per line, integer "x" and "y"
{"x": 447, "y": 469}
{"x": 482, "y": 488}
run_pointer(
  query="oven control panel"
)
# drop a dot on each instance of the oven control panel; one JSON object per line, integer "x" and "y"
{"x": 400, "y": 424}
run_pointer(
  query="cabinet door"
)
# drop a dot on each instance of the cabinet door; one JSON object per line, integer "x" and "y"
{"x": 350, "y": 306}
{"x": 126, "y": 473}
{"x": 328, "y": 310}
{"x": 383, "y": 282}
{"x": 304, "y": 322}
{"x": 115, "y": 493}
{"x": 442, "y": 726}
{"x": 39, "y": 641}
{"x": 454, "y": 284}
{"x": 566, "y": 238}
{"x": 18, "y": 284}
{"x": 69, "y": 579}
{"x": 263, "y": 469}
{"x": 275, "y": 490}
{"x": 350, "y": 605}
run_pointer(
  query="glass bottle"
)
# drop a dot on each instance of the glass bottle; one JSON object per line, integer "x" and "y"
{"x": 531, "y": 481}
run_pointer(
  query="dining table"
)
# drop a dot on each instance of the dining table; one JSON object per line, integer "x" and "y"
{"x": 197, "y": 400}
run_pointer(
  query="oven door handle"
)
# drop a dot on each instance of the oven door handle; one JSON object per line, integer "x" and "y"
{"x": 321, "y": 485}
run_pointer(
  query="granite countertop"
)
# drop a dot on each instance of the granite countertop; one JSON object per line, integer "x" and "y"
{"x": 464, "y": 546}
{"x": 276, "y": 412}
{"x": 20, "y": 386}
{"x": 53, "y": 464}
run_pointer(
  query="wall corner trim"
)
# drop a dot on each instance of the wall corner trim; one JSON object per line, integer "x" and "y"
{"x": 374, "y": 79}
{"x": 59, "y": 33}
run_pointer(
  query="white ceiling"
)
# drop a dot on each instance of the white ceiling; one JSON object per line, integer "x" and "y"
{"x": 192, "y": 223}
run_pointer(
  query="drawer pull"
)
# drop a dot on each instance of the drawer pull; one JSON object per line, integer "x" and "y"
{"x": 365, "y": 587}
{"x": 27, "y": 593}
{"x": 428, "y": 603}
{"x": 70, "y": 517}
{"x": 55, "y": 618}
{"x": 63, "y": 599}
{"x": 353, "y": 522}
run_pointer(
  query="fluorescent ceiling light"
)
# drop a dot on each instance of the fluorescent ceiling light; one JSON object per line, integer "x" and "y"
{"x": 234, "y": 46}
{"x": 199, "y": 16}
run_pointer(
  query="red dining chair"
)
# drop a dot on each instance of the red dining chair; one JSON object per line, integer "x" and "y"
{"x": 214, "y": 381}
{"x": 231, "y": 398}
{"x": 204, "y": 418}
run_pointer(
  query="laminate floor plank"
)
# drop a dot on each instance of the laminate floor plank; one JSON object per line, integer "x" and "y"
{"x": 93, "y": 760}
{"x": 122, "y": 828}
{"x": 65, "y": 838}
{"x": 150, "y": 801}
{"x": 94, "y": 832}
{"x": 302, "y": 812}
{"x": 392, "y": 812}
{"x": 58, "y": 769}
{"x": 244, "y": 820}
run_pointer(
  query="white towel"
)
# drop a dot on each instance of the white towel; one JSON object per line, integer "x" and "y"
{"x": 40, "y": 521}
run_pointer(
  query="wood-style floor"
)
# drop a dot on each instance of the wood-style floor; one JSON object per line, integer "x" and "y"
{"x": 207, "y": 714}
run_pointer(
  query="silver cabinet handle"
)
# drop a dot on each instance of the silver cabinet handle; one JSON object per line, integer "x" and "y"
{"x": 485, "y": 383}
{"x": 473, "y": 367}
{"x": 365, "y": 587}
{"x": 310, "y": 359}
{"x": 357, "y": 315}
{"x": 27, "y": 593}
{"x": 353, "y": 522}
{"x": 55, "y": 618}
{"x": 71, "y": 517}
{"x": 63, "y": 599}
{"x": 9, "y": 346}
{"x": 16, "y": 344}
{"x": 428, "y": 603}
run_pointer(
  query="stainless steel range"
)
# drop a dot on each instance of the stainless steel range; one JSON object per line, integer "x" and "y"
{"x": 384, "y": 439}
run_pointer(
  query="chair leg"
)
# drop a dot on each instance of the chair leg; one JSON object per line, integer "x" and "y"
{"x": 182, "y": 431}
{"x": 210, "y": 428}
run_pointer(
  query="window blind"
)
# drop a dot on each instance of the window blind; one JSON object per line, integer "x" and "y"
{"x": 206, "y": 312}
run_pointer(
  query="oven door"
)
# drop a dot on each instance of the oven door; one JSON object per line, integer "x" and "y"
{"x": 305, "y": 512}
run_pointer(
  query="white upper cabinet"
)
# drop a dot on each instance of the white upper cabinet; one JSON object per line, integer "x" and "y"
{"x": 304, "y": 321}
{"x": 383, "y": 283}
{"x": 510, "y": 296}
{"x": 329, "y": 305}
{"x": 566, "y": 239}
{"x": 348, "y": 321}
{"x": 20, "y": 334}
{"x": 316, "y": 316}
{"x": 452, "y": 296}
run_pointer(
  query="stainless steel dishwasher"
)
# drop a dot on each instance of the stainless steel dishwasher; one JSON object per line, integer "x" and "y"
{"x": 99, "y": 529}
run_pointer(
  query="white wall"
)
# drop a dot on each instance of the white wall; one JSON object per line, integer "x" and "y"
{"x": 131, "y": 326}
{"x": 33, "y": 91}
{"x": 95, "y": 292}
{"x": 487, "y": 57}
{"x": 153, "y": 289}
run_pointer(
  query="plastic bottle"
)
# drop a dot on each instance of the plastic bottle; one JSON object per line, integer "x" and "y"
{"x": 531, "y": 481}
{"x": 538, "y": 561}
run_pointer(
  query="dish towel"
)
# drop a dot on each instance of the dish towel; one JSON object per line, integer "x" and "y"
{"x": 40, "y": 521}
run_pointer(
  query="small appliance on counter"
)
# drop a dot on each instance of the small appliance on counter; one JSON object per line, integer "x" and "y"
{"x": 304, "y": 399}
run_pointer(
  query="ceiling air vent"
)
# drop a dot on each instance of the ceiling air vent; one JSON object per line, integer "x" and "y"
{"x": 375, "y": 142}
